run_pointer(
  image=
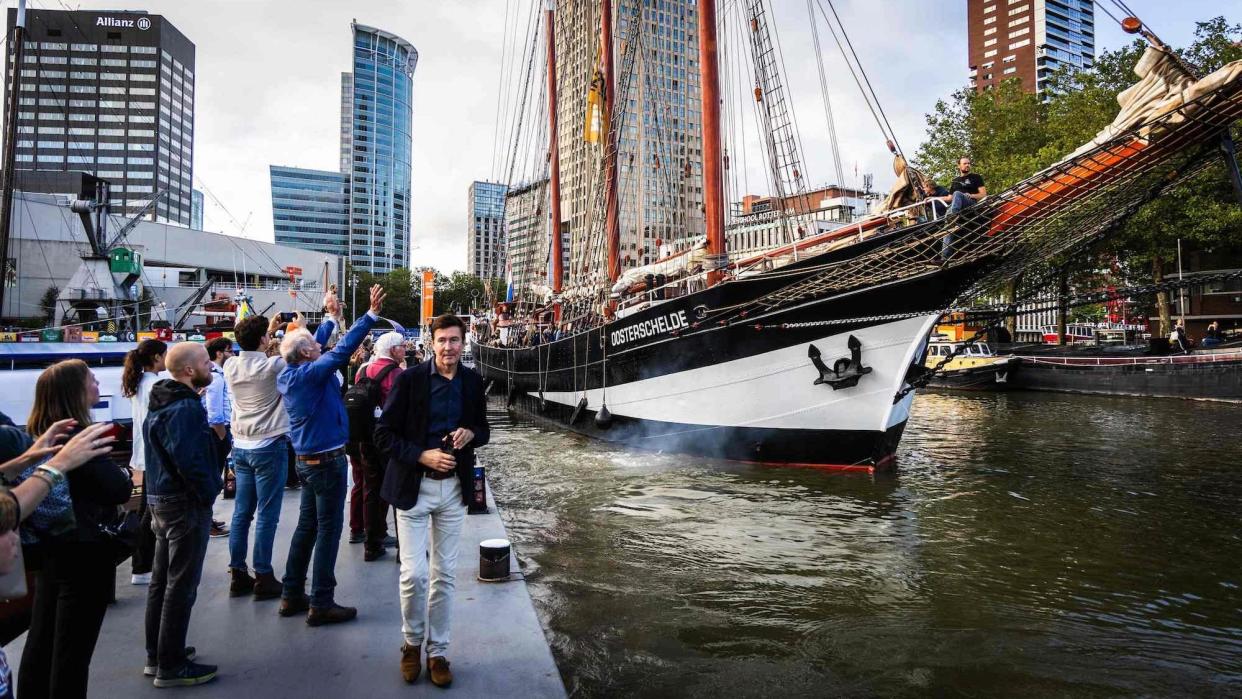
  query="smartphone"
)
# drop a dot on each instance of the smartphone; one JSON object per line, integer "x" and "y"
{"x": 287, "y": 316}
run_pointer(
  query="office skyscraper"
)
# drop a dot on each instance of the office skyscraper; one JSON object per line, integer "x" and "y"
{"x": 378, "y": 119}
{"x": 196, "y": 209}
{"x": 112, "y": 94}
{"x": 485, "y": 241}
{"x": 310, "y": 209}
{"x": 1028, "y": 40}
{"x": 659, "y": 144}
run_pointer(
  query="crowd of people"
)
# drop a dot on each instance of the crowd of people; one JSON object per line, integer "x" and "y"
{"x": 405, "y": 427}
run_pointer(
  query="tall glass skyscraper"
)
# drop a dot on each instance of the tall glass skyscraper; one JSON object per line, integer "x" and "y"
{"x": 485, "y": 246}
{"x": 310, "y": 209}
{"x": 379, "y": 124}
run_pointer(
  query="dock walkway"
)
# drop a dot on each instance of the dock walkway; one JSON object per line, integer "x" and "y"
{"x": 498, "y": 646}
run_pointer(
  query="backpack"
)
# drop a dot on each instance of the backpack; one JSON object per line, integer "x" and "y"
{"x": 362, "y": 405}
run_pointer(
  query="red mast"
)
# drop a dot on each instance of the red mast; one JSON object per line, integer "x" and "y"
{"x": 713, "y": 166}
{"x": 612, "y": 223}
{"x": 554, "y": 154}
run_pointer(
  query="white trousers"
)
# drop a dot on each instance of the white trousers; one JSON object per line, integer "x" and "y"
{"x": 423, "y": 614}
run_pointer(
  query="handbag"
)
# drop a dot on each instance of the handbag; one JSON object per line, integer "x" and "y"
{"x": 121, "y": 532}
{"x": 230, "y": 484}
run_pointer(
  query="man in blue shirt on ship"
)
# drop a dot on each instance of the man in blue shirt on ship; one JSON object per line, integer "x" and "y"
{"x": 319, "y": 429}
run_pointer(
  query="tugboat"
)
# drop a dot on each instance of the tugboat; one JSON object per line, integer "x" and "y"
{"x": 972, "y": 367}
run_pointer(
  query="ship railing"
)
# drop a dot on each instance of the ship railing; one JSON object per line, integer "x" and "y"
{"x": 1194, "y": 358}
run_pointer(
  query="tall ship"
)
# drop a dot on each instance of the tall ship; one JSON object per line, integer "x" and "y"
{"x": 807, "y": 351}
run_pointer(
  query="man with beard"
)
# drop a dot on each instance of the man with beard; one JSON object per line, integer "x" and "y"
{"x": 183, "y": 479}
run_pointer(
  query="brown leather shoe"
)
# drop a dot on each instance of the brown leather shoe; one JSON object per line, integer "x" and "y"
{"x": 411, "y": 663}
{"x": 438, "y": 669}
{"x": 242, "y": 583}
{"x": 293, "y": 606}
{"x": 266, "y": 586}
{"x": 334, "y": 614}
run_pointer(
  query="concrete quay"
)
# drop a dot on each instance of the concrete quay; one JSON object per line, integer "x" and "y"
{"x": 498, "y": 646}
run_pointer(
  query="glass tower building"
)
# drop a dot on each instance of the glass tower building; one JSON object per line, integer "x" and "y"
{"x": 111, "y": 94}
{"x": 485, "y": 244}
{"x": 310, "y": 209}
{"x": 378, "y": 119}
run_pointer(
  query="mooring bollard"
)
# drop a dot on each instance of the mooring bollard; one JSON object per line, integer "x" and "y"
{"x": 494, "y": 560}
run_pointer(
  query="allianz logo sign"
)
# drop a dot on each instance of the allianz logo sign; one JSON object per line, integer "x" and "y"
{"x": 143, "y": 23}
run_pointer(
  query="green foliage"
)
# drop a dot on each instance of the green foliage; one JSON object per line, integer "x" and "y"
{"x": 1011, "y": 136}
{"x": 47, "y": 303}
{"x": 460, "y": 293}
{"x": 463, "y": 293}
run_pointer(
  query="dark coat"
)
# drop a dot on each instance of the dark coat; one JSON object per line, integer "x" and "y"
{"x": 401, "y": 431}
{"x": 180, "y": 446}
{"x": 96, "y": 488}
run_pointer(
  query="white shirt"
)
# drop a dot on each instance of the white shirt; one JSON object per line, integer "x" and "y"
{"x": 138, "y": 407}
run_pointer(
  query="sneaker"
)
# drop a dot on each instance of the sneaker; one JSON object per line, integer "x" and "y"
{"x": 390, "y": 542}
{"x": 140, "y": 579}
{"x": 333, "y": 614}
{"x": 357, "y": 537}
{"x": 218, "y": 529}
{"x": 374, "y": 554}
{"x": 293, "y": 606}
{"x": 438, "y": 669}
{"x": 188, "y": 675}
{"x": 411, "y": 663}
{"x": 242, "y": 584}
{"x": 151, "y": 668}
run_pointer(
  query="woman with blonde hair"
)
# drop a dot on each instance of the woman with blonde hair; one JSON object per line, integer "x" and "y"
{"x": 74, "y": 584}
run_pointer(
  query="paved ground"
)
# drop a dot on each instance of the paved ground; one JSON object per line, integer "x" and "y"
{"x": 498, "y": 645}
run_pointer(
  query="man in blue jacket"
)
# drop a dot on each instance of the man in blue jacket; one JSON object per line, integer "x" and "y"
{"x": 183, "y": 479}
{"x": 319, "y": 429}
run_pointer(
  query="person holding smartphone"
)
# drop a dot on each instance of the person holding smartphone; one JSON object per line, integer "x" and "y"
{"x": 434, "y": 419}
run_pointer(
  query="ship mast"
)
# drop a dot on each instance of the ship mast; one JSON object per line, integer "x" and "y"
{"x": 713, "y": 165}
{"x": 554, "y": 156}
{"x": 612, "y": 223}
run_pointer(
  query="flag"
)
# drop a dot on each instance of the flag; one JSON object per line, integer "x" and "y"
{"x": 597, "y": 104}
{"x": 244, "y": 308}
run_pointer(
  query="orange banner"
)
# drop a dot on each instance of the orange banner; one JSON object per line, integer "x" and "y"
{"x": 429, "y": 293}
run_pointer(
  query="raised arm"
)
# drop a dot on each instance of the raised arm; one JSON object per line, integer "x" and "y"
{"x": 340, "y": 354}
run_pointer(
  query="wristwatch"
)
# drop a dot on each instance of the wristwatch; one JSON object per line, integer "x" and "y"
{"x": 56, "y": 475}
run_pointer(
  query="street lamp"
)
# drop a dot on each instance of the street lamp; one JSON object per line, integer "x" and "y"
{"x": 353, "y": 298}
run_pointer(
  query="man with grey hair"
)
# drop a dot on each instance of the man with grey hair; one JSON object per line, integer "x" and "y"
{"x": 374, "y": 381}
{"x": 319, "y": 430}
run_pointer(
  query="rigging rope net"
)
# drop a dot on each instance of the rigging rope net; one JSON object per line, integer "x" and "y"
{"x": 1071, "y": 203}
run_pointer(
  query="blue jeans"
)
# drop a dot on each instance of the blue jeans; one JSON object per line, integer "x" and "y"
{"x": 260, "y": 484}
{"x": 961, "y": 200}
{"x": 320, "y": 521}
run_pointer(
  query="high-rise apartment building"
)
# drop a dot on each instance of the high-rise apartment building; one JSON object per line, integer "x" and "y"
{"x": 347, "y": 123}
{"x": 485, "y": 235}
{"x": 659, "y": 144}
{"x": 112, "y": 94}
{"x": 526, "y": 230}
{"x": 1028, "y": 40}
{"x": 381, "y": 91}
{"x": 310, "y": 209}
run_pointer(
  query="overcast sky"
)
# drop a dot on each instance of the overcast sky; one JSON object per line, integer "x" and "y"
{"x": 268, "y": 90}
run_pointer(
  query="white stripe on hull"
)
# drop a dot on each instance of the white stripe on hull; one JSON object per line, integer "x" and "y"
{"x": 776, "y": 389}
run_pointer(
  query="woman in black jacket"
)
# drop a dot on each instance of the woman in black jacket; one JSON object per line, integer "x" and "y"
{"x": 74, "y": 586}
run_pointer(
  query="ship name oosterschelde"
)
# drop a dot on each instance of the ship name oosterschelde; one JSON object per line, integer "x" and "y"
{"x": 649, "y": 328}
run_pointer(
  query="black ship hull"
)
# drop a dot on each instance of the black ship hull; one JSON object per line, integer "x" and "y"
{"x": 989, "y": 378}
{"x": 1212, "y": 376}
{"x": 747, "y": 389}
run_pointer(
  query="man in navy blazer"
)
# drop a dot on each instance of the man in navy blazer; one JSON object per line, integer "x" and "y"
{"x": 435, "y": 416}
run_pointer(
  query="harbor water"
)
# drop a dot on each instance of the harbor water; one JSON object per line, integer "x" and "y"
{"x": 1028, "y": 544}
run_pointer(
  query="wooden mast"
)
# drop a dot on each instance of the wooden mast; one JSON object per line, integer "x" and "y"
{"x": 612, "y": 223}
{"x": 554, "y": 155}
{"x": 713, "y": 166}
